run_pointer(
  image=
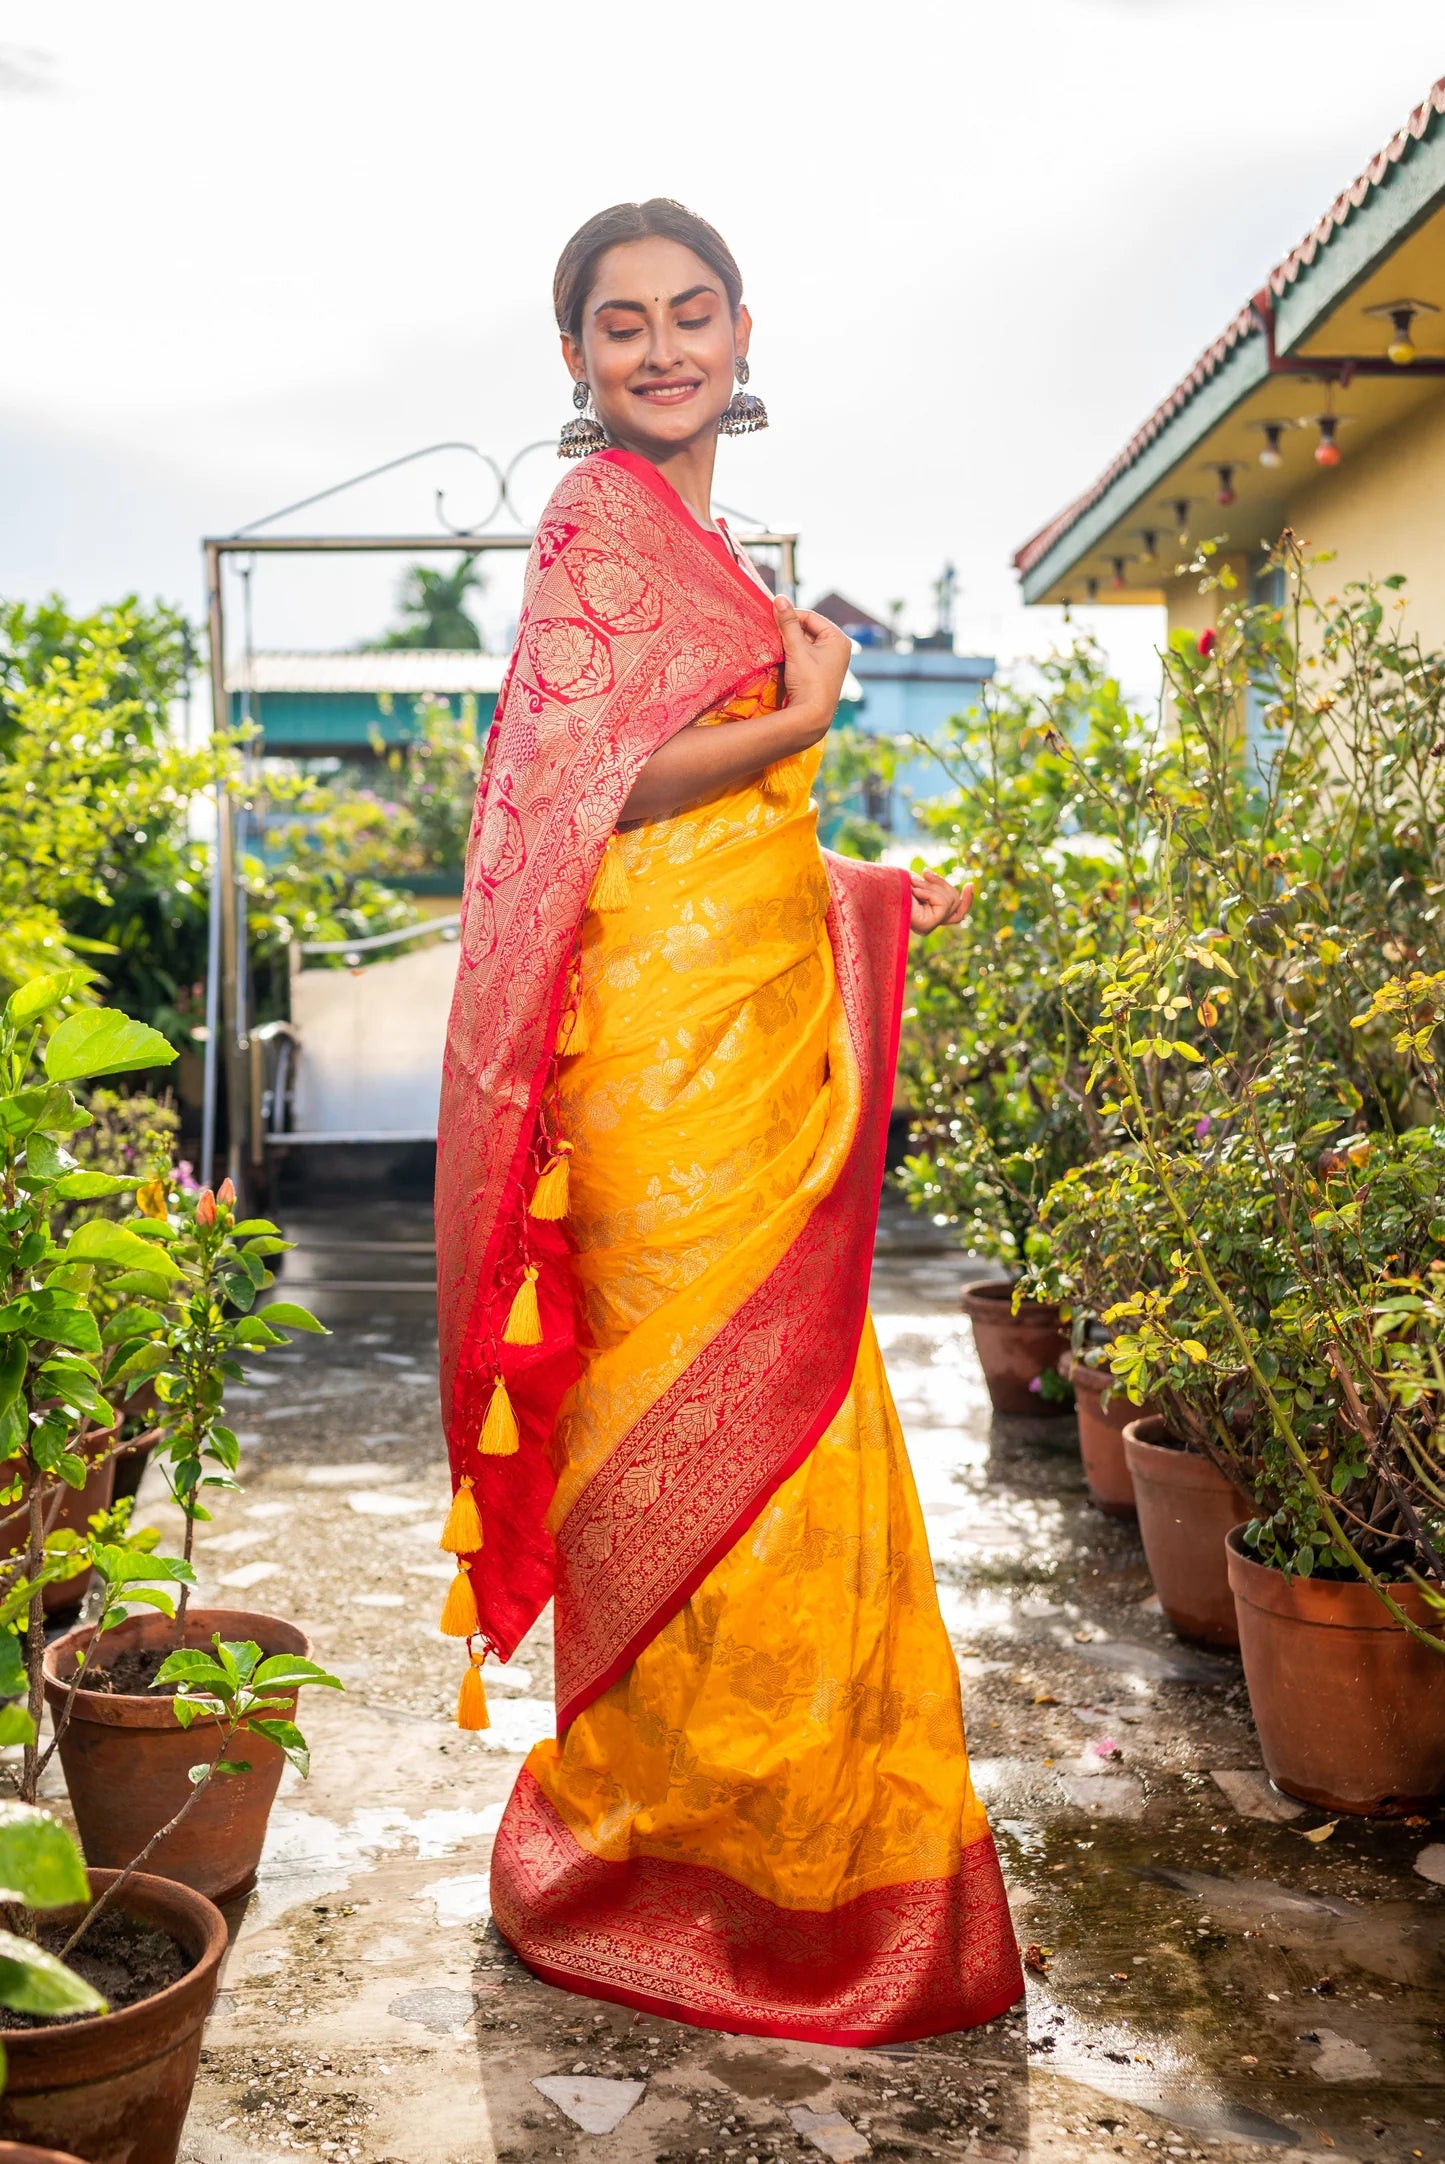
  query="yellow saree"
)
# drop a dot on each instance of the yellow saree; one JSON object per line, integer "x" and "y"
{"x": 664, "y": 1402}
{"x": 766, "y": 1822}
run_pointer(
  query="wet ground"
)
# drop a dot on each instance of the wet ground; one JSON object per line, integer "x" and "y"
{"x": 1218, "y": 1973}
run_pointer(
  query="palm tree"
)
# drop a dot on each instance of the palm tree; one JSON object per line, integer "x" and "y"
{"x": 434, "y": 606}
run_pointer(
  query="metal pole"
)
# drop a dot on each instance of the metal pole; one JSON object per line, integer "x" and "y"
{"x": 232, "y": 1024}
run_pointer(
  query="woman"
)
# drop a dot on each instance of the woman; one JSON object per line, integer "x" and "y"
{"x": 667, "y": 1089}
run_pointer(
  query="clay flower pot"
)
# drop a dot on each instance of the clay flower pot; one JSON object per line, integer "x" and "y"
{"x": 115, "y": 2089}
{"x": 1014, "y": 1351}
{"x": 127, "y": 1760}
{"x": 1186, "y": 1507}
{"x": 76, "y": 1506}
{"x": 1101, "y": 1436}
{"x": 1349, "y": 1707}
{"x": 20, "y": 2152}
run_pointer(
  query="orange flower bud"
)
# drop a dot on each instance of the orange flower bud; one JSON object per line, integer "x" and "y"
{"x": 205, "y": 1207}
{"x": 226, "y": 1194}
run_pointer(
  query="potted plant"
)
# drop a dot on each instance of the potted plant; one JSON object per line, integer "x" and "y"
{"x": 123, "y": 1747}
{"x": 42, "y": 1871}
{"x": 1045, "y": 818}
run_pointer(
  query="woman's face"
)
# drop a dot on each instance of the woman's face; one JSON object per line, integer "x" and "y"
{"x": 657, "y": 345}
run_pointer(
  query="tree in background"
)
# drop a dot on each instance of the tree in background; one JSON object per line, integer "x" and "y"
{"x": 434, "y": 606}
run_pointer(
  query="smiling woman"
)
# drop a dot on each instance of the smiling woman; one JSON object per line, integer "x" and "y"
{"x": 668, "y": 1079}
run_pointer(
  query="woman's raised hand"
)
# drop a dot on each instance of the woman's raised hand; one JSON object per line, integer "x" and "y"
{"x": 815, "y": 662}
{"x": 935, "y": 902}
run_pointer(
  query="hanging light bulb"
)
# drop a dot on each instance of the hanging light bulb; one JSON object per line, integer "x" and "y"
{"x": 1401, "y": 318}
{"x": 1327, "y": 451}
{"x": 1091, "y": 589}
{"x": 1117, "y": 581}
{"x": 1224, "y": 494}
{"x": 1272, "y": 455}
{"x": 1149, "y": 535}
{"x": 1180, "y": 509}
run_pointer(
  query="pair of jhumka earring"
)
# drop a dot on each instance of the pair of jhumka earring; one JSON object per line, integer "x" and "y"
{"x": 743, "y": 415}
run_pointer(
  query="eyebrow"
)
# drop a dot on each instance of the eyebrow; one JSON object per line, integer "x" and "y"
{"x": 679, "y": 300}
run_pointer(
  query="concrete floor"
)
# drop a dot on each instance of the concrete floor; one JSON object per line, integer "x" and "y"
{"x": 1216, "y": 1982}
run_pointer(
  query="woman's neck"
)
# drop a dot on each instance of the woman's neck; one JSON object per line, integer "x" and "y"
{"x": 689, "y": 468}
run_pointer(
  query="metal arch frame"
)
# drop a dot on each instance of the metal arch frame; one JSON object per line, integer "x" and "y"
{"x": 228, "y": 1039}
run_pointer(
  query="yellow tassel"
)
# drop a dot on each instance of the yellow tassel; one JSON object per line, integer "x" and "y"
{"x": 499, "y": 1435}
{"x": 610, "y": 889}
{"x": 462, "y": 1533}
{"x": 472, "y": 1697}
{"x": 574, "y": 1035}
{"x": 524, "y": 1322}
{"x": 459, "y": 1618}
{"x": 774, "y": 784}
{"x": 550, "y": 1196}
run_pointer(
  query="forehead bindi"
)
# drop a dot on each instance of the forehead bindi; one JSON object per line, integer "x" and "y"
{"x": 651, "y": 274}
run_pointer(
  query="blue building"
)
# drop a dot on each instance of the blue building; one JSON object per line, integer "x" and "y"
{"x": 910, "y": 688}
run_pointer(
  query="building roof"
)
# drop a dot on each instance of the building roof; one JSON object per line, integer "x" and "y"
{"x": 850, "y": 616}
{"x": 1397, "y": 190}
{"x": 402, "y": 670}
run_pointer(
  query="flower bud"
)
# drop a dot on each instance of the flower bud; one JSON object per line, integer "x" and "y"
{"x": 1206, "y": 644}
{"x": 205, "y": 1207}
{"x": 226, "y": 1194}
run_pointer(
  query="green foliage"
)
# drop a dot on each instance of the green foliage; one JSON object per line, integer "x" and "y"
{"x": 433, "y": 605}
{"x": 435, "y": 779}
{"x": 215, "y": 1268}
{"x": 245, "y": 1695}
{"x": 93, "y": 789}
{"x": 1263, "y": 1234}
{"x": 855, "y": 767}
{"x": 1048, "y": 821}
{"x": 40, "y": 1868}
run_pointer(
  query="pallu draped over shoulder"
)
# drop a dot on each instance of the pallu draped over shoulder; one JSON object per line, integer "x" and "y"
{"x": 667, "y": 1405}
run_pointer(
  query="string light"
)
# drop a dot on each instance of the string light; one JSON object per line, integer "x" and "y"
{"x": 1327, "y": 451}
{"x": 1224, "y": 494}
{"x": 1272, "y": 455}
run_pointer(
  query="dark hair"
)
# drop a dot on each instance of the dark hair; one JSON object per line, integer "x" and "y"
{"x": 657, "y": 219}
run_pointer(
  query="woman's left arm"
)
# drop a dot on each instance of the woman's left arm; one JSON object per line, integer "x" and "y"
{"x": 936, "y": 903}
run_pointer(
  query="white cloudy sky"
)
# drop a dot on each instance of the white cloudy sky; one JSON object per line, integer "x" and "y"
{"x": 250, "y": 250}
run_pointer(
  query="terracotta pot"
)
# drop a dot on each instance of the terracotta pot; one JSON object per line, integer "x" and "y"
{"x": 76, "y": 1505}
{"x": 116, "y": 2089}
{"x": 1186, "y": 1506}
{"x": 1014, "y": 1350}
{"x": 127, "y": 1760}
{"x": 1101, "y": 1436}
{"x": 130, "y": 1462}
{"x": 20, "y": 2152}
{"x": 1349, "y": 1707}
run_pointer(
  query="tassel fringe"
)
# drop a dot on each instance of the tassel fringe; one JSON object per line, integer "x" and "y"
{"x": 459, "y": 1618}
{"x": 551, "y": 1195}
{"x": 574, "y": 1036}
{"x": 472, "y": 1697}
{"x": 462, "y": 1533}
{"x": 524, "y": 1321}
{"x": 610, "y": 889}
{"x": 499, "y": 1437}
{"x": 773, "y": 783}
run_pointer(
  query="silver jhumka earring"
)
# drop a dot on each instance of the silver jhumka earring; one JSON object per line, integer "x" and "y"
{"x": 583, "y": 436}
{"x": 744, "y": 414}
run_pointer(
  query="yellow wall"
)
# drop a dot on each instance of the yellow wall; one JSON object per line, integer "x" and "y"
{"x": 1380, "y": 511}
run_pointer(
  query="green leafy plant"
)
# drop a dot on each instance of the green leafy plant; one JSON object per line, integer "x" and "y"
{"x": 40, "y": 1869}
{"x": 243, "y": 1694}
{"x": 189, "y": 1343}
{"x": 55, "y": 1369}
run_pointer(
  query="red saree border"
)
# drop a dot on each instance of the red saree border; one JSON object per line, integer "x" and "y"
{"x": 922, "y": 1958}
{"x": 684, "y": 1484}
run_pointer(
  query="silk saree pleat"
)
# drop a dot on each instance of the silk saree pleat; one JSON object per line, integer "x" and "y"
{"x": 758, "y": 1815}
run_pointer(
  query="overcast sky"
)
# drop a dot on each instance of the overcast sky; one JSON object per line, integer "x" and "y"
{"x": 251, "y": 250}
